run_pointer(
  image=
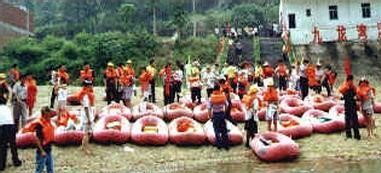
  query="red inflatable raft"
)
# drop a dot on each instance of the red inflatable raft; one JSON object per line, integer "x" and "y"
{"x": 338, "y": 111}
{"x": 201, "y": 113}
{"x": 262, "y": 114}
{"x": 293, "y": 126}
{"x": 149, "y": 130}
{"x": 273, "y": 147}
{"x": 112, "y": 129}
{"x": 294, "y": 106}
{"x": 175, "y": 110}
{"x": 186, "y": 131}
{"x": 322, "y": 122}
{"x": 116, "y": 109}
{"x": 187, "y": 101}
{"x": 322, "y": 103}
{"x": 235, "y": 135}
{"x": 73, "y": 99}
{"x": 68, "y": 137}
{"x": 144, "y": 109}
{"x": 377, "y": 107}
{"x": 26, "y": 140}
{"x": 238, "y": 111}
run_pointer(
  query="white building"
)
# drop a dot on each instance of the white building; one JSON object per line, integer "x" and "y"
{"x": 299, "y": 17}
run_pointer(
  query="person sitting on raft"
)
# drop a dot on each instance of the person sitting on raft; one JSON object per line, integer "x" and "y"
{"x": 217, "y": 107}
{"x": 252, "y": 103}
{"x": 272, "y": 100}
{"x": 67, "y": 121}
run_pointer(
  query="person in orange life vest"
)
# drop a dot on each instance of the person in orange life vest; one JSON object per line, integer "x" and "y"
{"x": 303, "y": 81}
{"x": 127, "y": 83}
{"x": 87, "y": 114}
{"x": 151, "y": 68}
{"x": 227, "y": 90}
{"x": 13, "y": 75}
{"x": 252, "y": 105}
{"x": 217, "y": 108}
{"x": 45, "y": 137}
{"x": 87, "y": 73}
{"x": 66, "y": 120}
{"x": 365, "y": 94}
{"x": 271, "y": 97}
{"x": 31, "y": 88}
{"x": 311, "y": 75}
{"x": 243, "y": 83}
{"x": 144, "y": 80}
{"x": 62, "y": 75}
{"x": 8, "y": 129}
{"x": 110, "y": 79}
{"x": 325, "y": 79}
{"x": 267, "y": 71}
{"x": 166, "y": 74}
{"x": 282, "y": 73}
{"x": 348, "y": 90}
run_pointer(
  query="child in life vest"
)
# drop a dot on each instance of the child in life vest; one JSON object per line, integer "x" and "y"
{"x": 252, "y": 104}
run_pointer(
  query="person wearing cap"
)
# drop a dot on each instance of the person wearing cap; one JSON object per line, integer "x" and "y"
{"x": 8, "y": 129}
{"x": 366, "y": 94}
{"x": 19, "y": 103}
{"x": 166, "y": 75}
{"x": 252, "y": 104}
{"x": 348, "y": 90}
{"x": 126, "y": 82}
{"x": 13, "y": 75}
{"x": 271, "y": 97}
{"x": 44, "y": 131}
{"x": 110, "y": 78}
{"x": 151, "y": 68}
{"x": 87, "y": 114}
{"x": 87, "y": 73}
{"x": 217, "y": 105}
{"x": 282, "y": 73}
{"x": 303, "y": 79}
{"x": 209, "y": 78}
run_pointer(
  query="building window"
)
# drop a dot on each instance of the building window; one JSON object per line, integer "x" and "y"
{"x": 333, "y": 12}
{"x": 308, "y": 12}
{"x": 291, "y": 21}
{"x": 366, "y": 13}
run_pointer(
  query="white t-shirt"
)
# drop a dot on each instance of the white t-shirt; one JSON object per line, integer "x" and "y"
{"x": 62, "y": 94}
{"x": 6, "y": 117}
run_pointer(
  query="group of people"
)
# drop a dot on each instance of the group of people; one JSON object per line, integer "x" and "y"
{"x": 221, "y": 84}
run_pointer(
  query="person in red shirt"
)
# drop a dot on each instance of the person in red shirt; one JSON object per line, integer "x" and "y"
{"x": 267, "y": 71}
{"x": 271, "y": 97}
{"x": 282, "y": 73}
{"x": 62, "y": 75}
{"x": 44, "y": 130}
{"x": 166, "y": 74}
{"x": 110, "y": 80}
{"x": 126, "y": 82}
{"x": 366, "y": 94}
{"x": 64, "y": 118}
{"x": 31, "y": 88}
{"x": 87, "y": 73}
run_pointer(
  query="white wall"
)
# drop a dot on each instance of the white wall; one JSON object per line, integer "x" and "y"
{"x": 349, "y": 15}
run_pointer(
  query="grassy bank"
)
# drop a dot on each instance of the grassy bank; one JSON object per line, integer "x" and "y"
{"x": 171, "y": 158}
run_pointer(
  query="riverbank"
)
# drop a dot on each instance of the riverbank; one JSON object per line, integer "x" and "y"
{"x": 171, "y": 158}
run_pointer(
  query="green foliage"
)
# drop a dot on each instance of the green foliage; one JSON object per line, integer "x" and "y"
{"x": 202, "y": 49}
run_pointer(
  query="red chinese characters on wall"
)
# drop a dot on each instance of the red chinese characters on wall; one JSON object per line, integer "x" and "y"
{"x": 316, "y": 36}
{"x": 341, "y": 33}
{"x": 362, "y": 32}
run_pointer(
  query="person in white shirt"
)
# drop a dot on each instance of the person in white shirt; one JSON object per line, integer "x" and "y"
{"x": 251, "y": 102}
{"x": 8, "y": 129}
{"x": 178, "y": 82}
{"x": 209, "y": 78}
{"x": 19, "y": 103}
{"x": 62, "y": 95}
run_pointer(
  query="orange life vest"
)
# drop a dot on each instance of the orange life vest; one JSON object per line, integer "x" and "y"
{"x": 268, "y": 72}
{"x": 282, "y": 70}
{"x": 271, "y": 94}
{"x": 110, "y": 73}
{"x": 31, "y": 92}
{"x": 63, "y": 76}
{"x": 363, "y": 91}
{"x": 144, "y": 80}
{"x": 87, "y": 74}
{"x": 311, "y": 75}
{"x": 248, "y": 100}
{"x": 347, "y": 86}
{"x": 63, "y": 119}
{"x": 47, "y": 129}
{"x": 89, "y": 92}
{"x": 218, "y": 98}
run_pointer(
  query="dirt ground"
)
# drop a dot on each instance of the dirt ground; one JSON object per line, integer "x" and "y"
{"x": 171, "y": 158}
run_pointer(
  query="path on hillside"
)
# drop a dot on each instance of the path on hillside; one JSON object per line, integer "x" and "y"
{"x": 271, "y": 49}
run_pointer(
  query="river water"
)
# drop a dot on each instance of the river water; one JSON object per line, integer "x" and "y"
{"x": 319, "y": 166}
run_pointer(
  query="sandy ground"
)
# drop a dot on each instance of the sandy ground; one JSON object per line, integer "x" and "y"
{"x": 171, "y": 158}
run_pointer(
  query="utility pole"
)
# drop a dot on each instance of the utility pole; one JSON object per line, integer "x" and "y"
{"x": 194, "y": 20}
{"x": 154, "y": 17}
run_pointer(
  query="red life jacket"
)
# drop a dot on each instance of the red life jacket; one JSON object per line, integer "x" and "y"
{"x": 268, "y": 72}
{"x": 144, "y": 80}
{"x": 271, "y": 94}
{"x": 47, "y": 129}
{"x": 110, "y": 73}
{"x": 218, "y": 98}
{"x": 87, "y": 74}
{"x": 89, "y": 92}
{"x": 63, "y": 119}
{"x": 63, "y": 76}
{"x": 282, "y": 70}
